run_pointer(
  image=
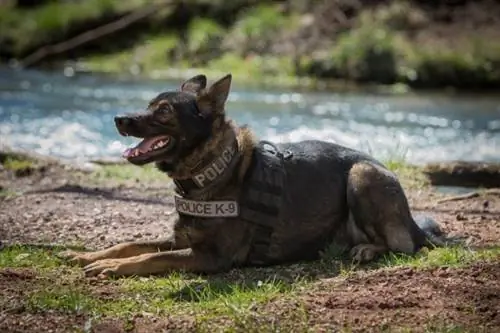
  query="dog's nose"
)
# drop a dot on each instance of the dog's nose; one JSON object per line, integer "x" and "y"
{"x": 121, "y": 121}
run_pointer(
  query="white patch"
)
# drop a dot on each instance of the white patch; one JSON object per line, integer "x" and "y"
{"x": 206, "y": 208}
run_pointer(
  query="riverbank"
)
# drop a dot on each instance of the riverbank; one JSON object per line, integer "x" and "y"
{"x": 401, "y": 44}
{"x": 44, "y": 201}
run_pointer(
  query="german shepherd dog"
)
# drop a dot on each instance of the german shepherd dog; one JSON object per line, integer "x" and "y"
{"x": 242, "y": 204}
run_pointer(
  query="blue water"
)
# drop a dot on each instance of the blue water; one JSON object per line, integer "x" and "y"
{"x": 71, "y": 116}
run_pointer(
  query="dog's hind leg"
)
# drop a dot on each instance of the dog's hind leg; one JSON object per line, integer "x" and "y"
{"x": 380, "y": 218}
{"x": 126, "y": 250}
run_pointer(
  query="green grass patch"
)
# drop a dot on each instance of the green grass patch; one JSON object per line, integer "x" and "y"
{"x": 25, "y": 256}
{"x": 453, "y": 256}
{"x": 124, "y": 173}
{"x": 183, "y": 294}
{"x": 410, "y": 176}
{"x": 7, "y": 193}
{"x": 63, "y": 299}
{"x": 17, "y": 164}
{"x": 237, "y": 298}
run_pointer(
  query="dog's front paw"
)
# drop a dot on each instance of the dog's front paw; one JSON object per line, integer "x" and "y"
{"x": 76, "y": 257}
{"x": 110, "y": 267}
{"x": 363, "y": 253}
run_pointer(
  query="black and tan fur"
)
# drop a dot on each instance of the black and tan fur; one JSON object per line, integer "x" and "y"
{"x": 334, "y": 196}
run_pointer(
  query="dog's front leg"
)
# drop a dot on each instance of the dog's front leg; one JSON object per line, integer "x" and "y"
{"x": 156, "y": 263}
{"x": 126, "y": 250}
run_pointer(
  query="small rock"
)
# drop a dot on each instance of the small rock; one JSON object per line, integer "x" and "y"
{"x": 461, "y": 217}
{"x": 102, "y": 237}
{"x": 138, "y": 235}
{"x": 486, "y": 204}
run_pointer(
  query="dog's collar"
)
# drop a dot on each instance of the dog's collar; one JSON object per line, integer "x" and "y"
{"x": 216, "y": 171}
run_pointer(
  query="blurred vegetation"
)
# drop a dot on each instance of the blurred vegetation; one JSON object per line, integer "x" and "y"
{"x": 423, "y": 44}
{"x": 24, "y": 28}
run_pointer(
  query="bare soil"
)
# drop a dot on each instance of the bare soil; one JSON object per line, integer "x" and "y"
{"x": 61, "y": 206}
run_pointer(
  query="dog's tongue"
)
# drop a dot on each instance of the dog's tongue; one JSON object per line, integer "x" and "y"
{"x": 144, "y": 146}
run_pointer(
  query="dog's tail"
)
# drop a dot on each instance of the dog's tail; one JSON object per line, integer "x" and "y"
{"x": 434, "y": 234}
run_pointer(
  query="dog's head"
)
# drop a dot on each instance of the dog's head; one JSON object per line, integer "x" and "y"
{"x": 175, "y": 122}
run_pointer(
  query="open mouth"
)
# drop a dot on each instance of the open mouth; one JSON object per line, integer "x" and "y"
{"x": 149, "y": 147}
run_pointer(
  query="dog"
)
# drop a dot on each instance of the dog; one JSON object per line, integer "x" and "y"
{"x": 243, "y": 202}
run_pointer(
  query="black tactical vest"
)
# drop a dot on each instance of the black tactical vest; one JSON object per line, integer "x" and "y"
{"x": 262, "y": 197}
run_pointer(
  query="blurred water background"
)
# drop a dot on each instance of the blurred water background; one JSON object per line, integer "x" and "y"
{"x": 72, "y": 117}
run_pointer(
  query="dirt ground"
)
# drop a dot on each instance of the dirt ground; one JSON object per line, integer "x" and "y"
{"x": 61, "y": 207}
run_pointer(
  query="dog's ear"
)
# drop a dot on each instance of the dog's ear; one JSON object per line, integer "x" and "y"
{"x": 214, "y": 100}
{"x": 195, "y": 84}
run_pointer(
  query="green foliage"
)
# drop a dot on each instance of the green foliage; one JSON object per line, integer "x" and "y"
{"x": 366, "y": 54}
{"x": 151, "y": 54}
{"x": 398, "y": 15}
{"x": 255, "y": 66}
{"x": 204, "y": 38}
{"x": 469, "y": 66}
{"x": 259, "y": 21}
{"x": 383, "y": 44}
{"x": 256, "y": 28}
{"x": 25, "y": 28}
{"x": 377, "y": 49}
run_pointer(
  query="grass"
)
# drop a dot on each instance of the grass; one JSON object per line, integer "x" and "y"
{"x": 124, "y": 173}
{"x": 209, "y": 301}
{"x": 23, "y": 256}
{"x": 176, "y": 294}
{"x": 66, "y": 300}
{"x": 7, "y": 193}
{"x": 410, "y": 176}
{"x": 16, "y": 164}
{"x": 454, "y": 256}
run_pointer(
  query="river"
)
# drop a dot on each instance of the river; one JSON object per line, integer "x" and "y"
{"x": 71, "y": 116}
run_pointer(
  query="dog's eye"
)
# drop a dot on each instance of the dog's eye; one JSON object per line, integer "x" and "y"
{"x": 165, "y": 108}
{"x": 163, "y": 113}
